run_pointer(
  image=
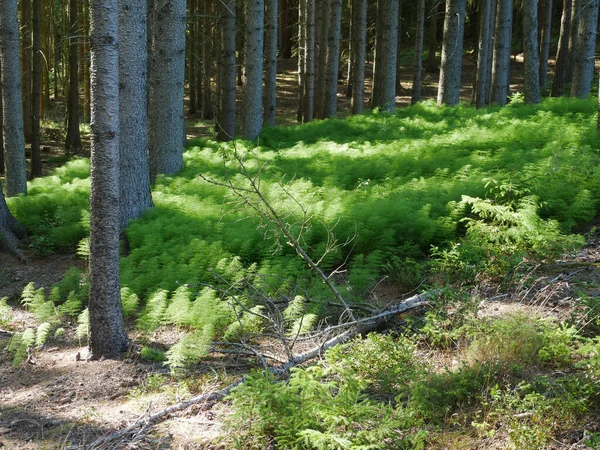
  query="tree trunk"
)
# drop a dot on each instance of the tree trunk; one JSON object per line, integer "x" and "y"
{"x": 12, "y": 119}
{"x": 226, "y": 119}
{"x": 545, "y": 42}
{"x": 165, "y": 108}
{"x": 10, "y": 230}
{"x": 309, "y": 63}
{"x": 86, "y": 64}
{"x": 191, "y": 57}
{"x": 134, "y": 169}
{"x": 482, "y": 75}
{"x": 530, "y": 52}
{"x": 271, "y": 32}
{"x": 322, "y": 44}
{"x": 399, "y": 49}
{"x": 286, "y": 31}
{"x": 73, "y": 140}
{"x": 253, "y": 60}
{"x": 385, "y": 74}
{"x": 501, "y": 58}
{"x": 560, "y": 70}
{"x": 573, "y": 37}
{"x": 333, "y": 59}
{"x": 26, "y": 66}
{"x": 359, "y": 47}
{"x": 432, "y": 39}
{"x": 416, "y": 86}
{"x": 301, "y": 56}
{"x": 207, "y": 66}
{"x": 36, "y": 85}
{"x": 452, "y": 47}
{"x": 586, "y": 46}
{"x": 107, "y": 333}
{"x": 1, "y": 129}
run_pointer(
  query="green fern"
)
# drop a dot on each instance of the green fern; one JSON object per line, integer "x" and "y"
{"x": 83, "y": 325}
{"x": 179, "y": 311}
{"x": 249, "y": 324}
{"x": 20, "y": 343}
{"x": 130, "y": 302}
{"x": 6, "y": 312}
{"x": 42, "y": 333}
{"x": 72, "y": 307}
{"x": 153, "y": 314}
{"x": 190, "y": 349}
{"x": 83, "y": 248}
{"x": 28, "y": 295}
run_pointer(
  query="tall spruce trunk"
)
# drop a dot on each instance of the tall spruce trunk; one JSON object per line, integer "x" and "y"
{"x": 545, "y": 42}
{"x": 36, "y": 86}
{"x": 301, "y": 56}
{"x": 452, "y": 47}
{"x": 26, "y": 67}
{"x": 573, "y": 38}
{"x": 271, "y": 32}
{"x": 418, "y": 69}
{"x": 560, "y": 70}
{"x": 165, "y": 107}
{"x": 501, "y": 57}
{"x": 308, "y": 88}
{"x": 530, "y": 52}
{"x": 226, "y": 118}
{"x": 192, "y": 36}
{"x": 207, "y": 65}
{"x": 107, "y": 332}
{"x": 399, "y": 49}
{"x": 253, "y": 63}
{"x": 333, "y": 59}
{"x": 432, "y": 38}
{"x": 1, "y": 129}
{"x": 586, "y": 47}
{"x": 134, "y": 168}
{"x": 12, "y": 118}
{"x": 482, "y": 76}
{"x": 73, "y": 140}
{"x": 359, "y": 50}
{"x": 324, "y": 13}
{"x": 387, "y": 43}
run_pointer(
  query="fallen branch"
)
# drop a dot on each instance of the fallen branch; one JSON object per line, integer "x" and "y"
{"x": 208, "y": 400}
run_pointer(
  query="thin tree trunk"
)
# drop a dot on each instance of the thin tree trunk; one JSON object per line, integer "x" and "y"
{"x": 36, "y": 84}
{"x": 107, "y": 332}
{"x": 530, "y": 52}
{"x": 432, "y": 39}
{"x": 271, "y": 32}
{"x": 253, "y": 61}
{"x": 86, "y": 62}
{"x": 134, "y": 169}
{"x": 545, "y": 43}
{"x": 501, "y": 58}
{"x": 207, "y": 66}
{"x": 26, "y": 67}
{"x": 333, "y": 59}
{"x": 309, "y": 63}
{"x": 73, "y": 140}
{"x": 285, "y": 42}
{"x": 165, "y": 108}
{"x": 387, "y": 53}
{"x": 226, "y": 119}
{"x": 1, "y": 130}
{"x": 301, "y": 56}
{"x": 191, "y": 57}
{"x": 416, "y": 86}
{"x": 452, "y": 46}
{"x": 322, "y": 43}
{"x": 586, "y": 46}
{"x": 12, "y": 118}
{"x": 359, "y": 50}
{"x": 482, "y": 80}
{"x": 560, "y": 70}
{"x": 399, "y": 49}
{"x": 573, "y": 38}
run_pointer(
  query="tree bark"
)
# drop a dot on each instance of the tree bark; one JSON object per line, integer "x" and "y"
{"x": 418, "y": 69}
{"x": 191, "y": 57}
{"x": 333, "y": 59}
{"x": 573, "y": 38}
{"x": 271, "y": 32}
{"x": 323, "y": 16}
{"x": 36, "y": 85}
{"x": 432, "y": 38}
{"x": 545, "y": 42}
{"x": 483, "y": 69}
{"x": 560, "y": 70}
{"x": 10, "y": 230}
{"x": 107, "y": 337}
{"x": 207, "y": 66}
{"x": 12, "y": 118}
{"x": 452, "y": 47}
{"x": 309, "y": 64}
{"x": 399, "y": 49}
{"x": 165, "y": 108}
{"x": 226, "y": 119}
{"x": 301, "y": 56}
{"x": 501, "y": 58}
{"x": 385, "y": 72}
{"x": 73, "y": 140}
{"x": 253, "y": 61}
{"x": 530, "y": 52}
{"x": 134, "y": 171}
{"x": 1, "y": 128}
{"x": 586, "y": 47}
{"x": 359, "y": 50}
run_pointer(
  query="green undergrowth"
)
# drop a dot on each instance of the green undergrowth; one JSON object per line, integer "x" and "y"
{"x": 477, "y": 190}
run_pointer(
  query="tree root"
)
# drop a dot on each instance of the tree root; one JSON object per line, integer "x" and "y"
{"x": 207, "y": 400}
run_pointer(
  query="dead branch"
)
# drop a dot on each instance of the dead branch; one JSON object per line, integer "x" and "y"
{"x": 209, "y": 399}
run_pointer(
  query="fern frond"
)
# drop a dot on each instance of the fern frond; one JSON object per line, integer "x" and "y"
{"x": 42, "y": 333}
{"x": 154, "y": 312}
{"x": 83, "y": 321}
{"x": 28, "y": 295}
{"x": 178, "y": 313}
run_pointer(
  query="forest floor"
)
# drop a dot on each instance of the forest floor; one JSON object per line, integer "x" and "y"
{"x": 59, "y": 399}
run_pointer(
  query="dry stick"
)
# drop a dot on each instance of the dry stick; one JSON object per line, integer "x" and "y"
{"x": 209, "y": 399}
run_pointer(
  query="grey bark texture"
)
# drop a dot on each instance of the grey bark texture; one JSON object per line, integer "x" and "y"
{"x": 452, "y": 47}
{"x": 26, "y": 66}
{"x": 12, "y": 117}
{"x": 359, "y": 42}
{"x": 309, "y": 63}
{"x": 560, "y": 70}
{"x": 333, "y": 58}
{"x": 530, "y": 52}
{"x": 253, "y": 64}
{"x": 323, "y": 32}
{"x": 73, "y": 139}
{"x": 190, "y": 46}
{"x": 165, "y": 106}
{"x": 134, "y": 168}
{"x": 36, "y": 86}
{"x": 107, "y": 336}
{"x": 573, "y": 38}
{"x": 418, "y": 69}
{"x": 586, "y": 47}
{"x": 10, "y": 230}
{"x": 387, "y": 51}
{"x": 1, "y": 129}
{"x": 546, "y": 32}
{"x": 271, "y": 33}
{"x": 226, "y": 118}
{"x": 482, "y": 76}
{"x": 207, "y": 108}
{"x": 301, "y": 57}
{"x": 501, "y": 58}
{"x": 399, "y": 49}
